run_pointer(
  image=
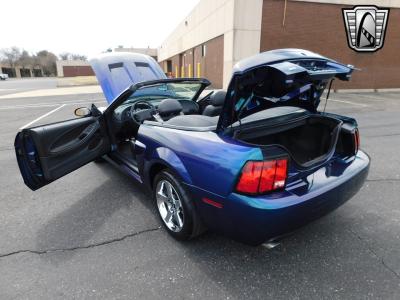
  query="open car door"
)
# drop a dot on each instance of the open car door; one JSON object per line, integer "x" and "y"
{"x": 46, "y": 153}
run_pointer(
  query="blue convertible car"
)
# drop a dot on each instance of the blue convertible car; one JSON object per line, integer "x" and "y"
{"x": 253, "y": 163}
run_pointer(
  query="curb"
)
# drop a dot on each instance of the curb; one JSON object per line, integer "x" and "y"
{"x": 75, "y": 84}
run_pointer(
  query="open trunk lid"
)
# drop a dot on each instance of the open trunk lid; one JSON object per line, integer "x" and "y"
{"x": 283, "y": 77}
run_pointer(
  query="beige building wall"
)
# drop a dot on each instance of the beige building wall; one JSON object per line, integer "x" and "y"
{"x": 239, "y": 21}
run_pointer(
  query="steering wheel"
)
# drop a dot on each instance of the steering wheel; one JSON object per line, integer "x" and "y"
{"x": 146, "y": 110}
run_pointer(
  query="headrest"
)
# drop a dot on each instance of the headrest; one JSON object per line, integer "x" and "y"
{"x": 169, "y": 107}
{"x": 218, "y": 98}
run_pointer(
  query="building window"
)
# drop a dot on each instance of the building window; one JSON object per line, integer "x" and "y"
{"x": 203, "y": 50}
{"x": 169, "y": 66}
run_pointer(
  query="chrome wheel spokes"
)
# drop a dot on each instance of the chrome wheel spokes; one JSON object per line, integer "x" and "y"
{"x": 169, "y": 205}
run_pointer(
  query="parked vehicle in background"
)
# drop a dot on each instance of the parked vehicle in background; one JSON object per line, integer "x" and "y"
{"x": 3, "y": 76}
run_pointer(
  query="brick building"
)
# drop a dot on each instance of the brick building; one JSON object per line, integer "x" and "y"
{"x": 73, "y": 68}
{"x": 218, "y": 33}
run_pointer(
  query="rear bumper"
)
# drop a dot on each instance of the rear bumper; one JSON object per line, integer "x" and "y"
{"x": 253, "y": 220}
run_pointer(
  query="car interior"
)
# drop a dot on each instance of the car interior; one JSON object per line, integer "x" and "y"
{"x": 184, "y": 113}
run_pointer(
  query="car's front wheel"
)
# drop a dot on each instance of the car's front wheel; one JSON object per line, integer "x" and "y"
{"x": 175, "y": 207}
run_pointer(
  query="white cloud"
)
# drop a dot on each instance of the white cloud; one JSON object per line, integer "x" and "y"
{"x": 88, "y": 26}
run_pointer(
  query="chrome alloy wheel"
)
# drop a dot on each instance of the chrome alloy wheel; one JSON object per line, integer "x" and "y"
{"x": 169, "y": 205}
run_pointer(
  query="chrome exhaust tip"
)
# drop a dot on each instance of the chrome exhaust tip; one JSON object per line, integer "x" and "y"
{"x": 270, "y": 244}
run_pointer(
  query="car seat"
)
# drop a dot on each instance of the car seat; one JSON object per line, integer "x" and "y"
{"x": 217, "y": 100}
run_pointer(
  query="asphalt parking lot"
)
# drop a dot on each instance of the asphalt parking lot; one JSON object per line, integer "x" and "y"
{"x": 13, "y": 85}
{"x": 95, "y": 234}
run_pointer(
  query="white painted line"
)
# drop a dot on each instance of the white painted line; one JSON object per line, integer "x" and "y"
{"x": 43, "y": 116}
{"x": 349, "y": 102}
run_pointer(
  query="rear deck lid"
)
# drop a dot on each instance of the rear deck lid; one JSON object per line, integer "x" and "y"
{"x": 116, "y": 72}
{"x": 283, "y": 77}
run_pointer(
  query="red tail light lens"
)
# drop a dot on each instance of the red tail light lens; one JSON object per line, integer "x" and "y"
{"x": 281, "y": 174}
{"x": 356, "y": 140}
{"x": 250, "y": 178}
{"x": 267, "y": 176}
{"x": 262, "y": 176}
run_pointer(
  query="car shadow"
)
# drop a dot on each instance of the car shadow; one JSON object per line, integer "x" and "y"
{"x": 77, "y": 226}
{"x": 309, "y": 255}
{"x": 237, "y": 269}
{"x": 313, "y": 255}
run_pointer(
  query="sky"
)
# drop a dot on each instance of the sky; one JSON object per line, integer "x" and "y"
{"x": 89, "y": 27}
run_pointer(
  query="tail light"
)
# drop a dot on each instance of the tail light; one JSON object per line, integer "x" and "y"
{"x": 356, "y": 140}
{"x": 259, "y": 177}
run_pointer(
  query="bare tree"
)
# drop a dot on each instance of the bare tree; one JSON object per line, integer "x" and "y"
{"x": 79, "y": 57}
{"x": 25, "y": 59}
{"x": 72, "y": 56}
{"x": 11, "y": 55}
{"x": 36, "y": 64}
{"x": 65, "y": 56}
{"x": 47, "y": 62}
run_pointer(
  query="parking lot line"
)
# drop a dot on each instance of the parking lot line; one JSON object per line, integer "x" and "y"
{"x": 349, "y": 102}
{"x": 43, "y": 116}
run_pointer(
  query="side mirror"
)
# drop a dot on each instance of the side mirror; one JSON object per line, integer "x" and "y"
{"x": 82, "y": 112}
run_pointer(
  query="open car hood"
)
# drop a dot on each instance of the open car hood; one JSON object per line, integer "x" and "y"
{"x": 116, "y": 72}
{"x": 283, "y": 77}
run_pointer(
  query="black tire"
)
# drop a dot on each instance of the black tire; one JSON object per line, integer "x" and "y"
{"x": 192, "y": 225}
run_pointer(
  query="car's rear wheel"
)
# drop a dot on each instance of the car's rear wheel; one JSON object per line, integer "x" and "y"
{"x": 175, "y": 207}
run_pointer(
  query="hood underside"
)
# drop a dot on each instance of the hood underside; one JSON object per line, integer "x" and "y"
{"x": 116, "y": 72}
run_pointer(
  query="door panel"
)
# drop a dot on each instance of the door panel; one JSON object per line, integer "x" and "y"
{"x": 46, "y": 153}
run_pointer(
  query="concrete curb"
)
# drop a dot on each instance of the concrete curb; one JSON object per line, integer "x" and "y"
{"x": 59, "y": 85}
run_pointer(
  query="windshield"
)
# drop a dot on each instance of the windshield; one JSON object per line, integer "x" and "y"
{"x": 160, "y": 91}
